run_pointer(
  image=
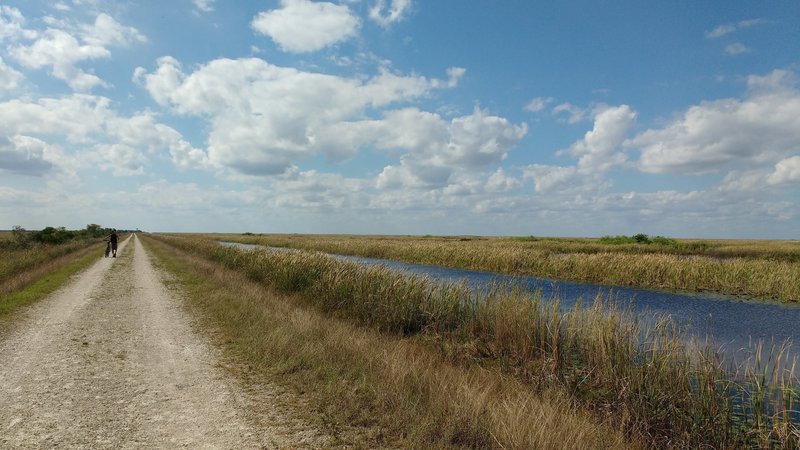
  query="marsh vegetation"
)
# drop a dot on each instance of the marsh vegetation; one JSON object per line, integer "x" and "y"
{"x": 642, "y": 379}
{"x": 755, "y": 269}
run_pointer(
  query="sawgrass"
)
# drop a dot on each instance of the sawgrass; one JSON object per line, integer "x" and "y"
{"x": 756, "y": 269}
{"x": 372, "y": 389}
{"x": 644, "y": 379}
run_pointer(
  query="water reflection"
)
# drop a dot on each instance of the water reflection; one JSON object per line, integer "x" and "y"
{"x": 731, "y": 322}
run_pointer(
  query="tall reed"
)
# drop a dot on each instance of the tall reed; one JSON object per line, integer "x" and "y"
{"x": 761, "y": 269}
{"x": 644, "y": 376}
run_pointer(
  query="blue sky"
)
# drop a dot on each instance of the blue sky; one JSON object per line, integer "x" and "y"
{"x": 573, "y": 118}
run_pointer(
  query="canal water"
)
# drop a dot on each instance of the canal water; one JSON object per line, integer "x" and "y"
{"x": 731, "y": 322}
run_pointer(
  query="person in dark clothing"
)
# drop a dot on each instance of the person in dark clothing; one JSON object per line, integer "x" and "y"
{"x": 113, "y": 239}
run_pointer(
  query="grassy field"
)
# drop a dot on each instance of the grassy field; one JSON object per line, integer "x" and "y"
{"x": 29, "y": 270}
{"x": 21, "y": 266}
{"x": 647, "y": 383}
{"x": 755, "y": 269}
{"x": 37, "y": 283}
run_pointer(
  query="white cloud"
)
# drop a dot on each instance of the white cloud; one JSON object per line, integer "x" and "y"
{"x": 24, "y": 155}
{"x": 204, "y": 5}
{"x": 729, "y": 28}
{"x": 317, "y": 191}
{"x": 538, "y": 104}
{"x": 385, "y": 13}
{"x": 760, "y": 129}
{"x": 76, "y": 118}
{"x": 12, "y": 25}
{"x": 106, "y": 31}
{"x": 302, "y": 26}
{"x": 438, "y": 149}
{"x": 575, "y": 113}
{"x": 119, "y": 159}
{"x": 786, "y": 171}
{"x": 499, "y": 181}
{"x": 267, "y": 118}
{"x": 455, "y": 74}
{"x": 413, "y": 175}
{"x": 596, "y": 151}
{"x": 60, "y": 50}
{"x": 479, "y": 139}
{"x": 141, "y": 131}
{"x": 9, "y": 78}
{"x": 90, "y": 127}
{"x": 737, "y": 48}
{"x": 547, "y": 178}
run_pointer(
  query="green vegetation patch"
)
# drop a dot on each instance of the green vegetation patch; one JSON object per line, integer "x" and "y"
{"x": 640, "y": 238}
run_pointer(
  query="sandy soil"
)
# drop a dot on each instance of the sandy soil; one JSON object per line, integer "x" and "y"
{"x": 111, "y": 361}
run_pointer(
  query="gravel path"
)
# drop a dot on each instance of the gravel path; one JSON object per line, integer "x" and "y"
{"x": 111, "y": 361}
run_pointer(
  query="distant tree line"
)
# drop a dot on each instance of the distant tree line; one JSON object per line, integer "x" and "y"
{"x": 640, "y": 238}
{"x": 55, "y": 235}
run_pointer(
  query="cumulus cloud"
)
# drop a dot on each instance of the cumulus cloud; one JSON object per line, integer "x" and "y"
{"x": 75, "y": 118}
{"x": 12, "y": 25}
{"x": 317, "y": 191}
{"x": 24, "y": 155}
{"x": 547, "y": 178}
{"x": 266, "y": 118}
{"x": 88, "y": 122}
{"x": 385, "y": 13}
{"x": 786, "y": 171}
{"x": 438, "y": 148}
{"x": 302, "y": 26}
{"x": 119, "y": 159}
{"x": 598, "y": 151}
{"x": 141, "y": 131}
{"x": 759, "y": 129}
{"x": 9, "y": 78}
{"x": 106, "y": 31}
{"x": 62, "y": 51}
{"x": 499, "y": 181}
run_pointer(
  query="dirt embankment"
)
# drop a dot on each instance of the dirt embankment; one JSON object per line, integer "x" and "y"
{"x": 111, "y": 361}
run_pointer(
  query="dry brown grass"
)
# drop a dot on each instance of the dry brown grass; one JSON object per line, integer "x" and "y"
{"x": 364, "y": 379}
{"x": 648, "y": 380}
{"x": 21, "y": 278}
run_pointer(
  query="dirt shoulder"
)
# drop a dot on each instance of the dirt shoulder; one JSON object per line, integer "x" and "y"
{"x": 111, "y": 361}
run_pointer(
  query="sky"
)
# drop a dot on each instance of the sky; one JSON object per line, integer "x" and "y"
{"x": 480, "y": 117}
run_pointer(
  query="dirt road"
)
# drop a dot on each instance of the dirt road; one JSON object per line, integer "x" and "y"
{"x": 111, "y": 361}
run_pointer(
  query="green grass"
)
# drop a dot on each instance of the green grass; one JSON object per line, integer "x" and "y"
{"x": 43, "y": 286}
{"x": 645, "y": 380}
